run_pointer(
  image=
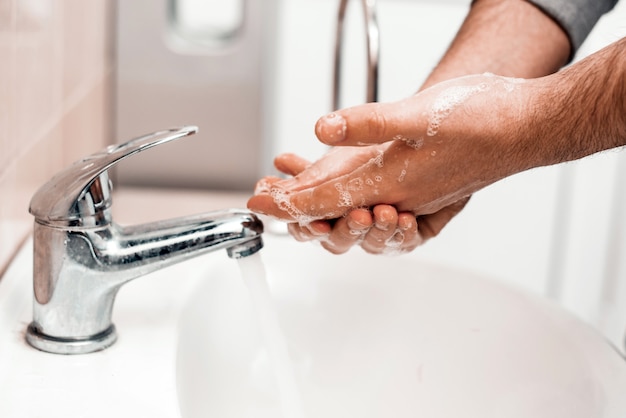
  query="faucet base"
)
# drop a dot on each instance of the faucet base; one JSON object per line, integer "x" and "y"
{"x": 58, "y": 345}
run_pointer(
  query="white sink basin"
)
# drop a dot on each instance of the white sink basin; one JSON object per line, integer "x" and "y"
{"x": 390, "y": 337}
{"x": 368, "y": 337}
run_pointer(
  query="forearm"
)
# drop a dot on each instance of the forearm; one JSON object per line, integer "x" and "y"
{"x": 581, "y": 110}
{"x": 506, "y": 37}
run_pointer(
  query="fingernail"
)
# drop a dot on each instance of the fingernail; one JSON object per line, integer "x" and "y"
{"x": 331, "y": 129}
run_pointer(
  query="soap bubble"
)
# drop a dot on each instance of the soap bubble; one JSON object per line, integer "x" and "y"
{"x": 345, "y": 198}
{"x": 446, "y": 102}
{"x": 282, "y": 199}
{"x": 355, "y": 184}
{"x": 378, "y": 160}
{"x": 415, "y": 143}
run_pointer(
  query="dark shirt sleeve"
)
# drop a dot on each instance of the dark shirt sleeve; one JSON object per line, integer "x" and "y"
{"x": 576, "y": 17}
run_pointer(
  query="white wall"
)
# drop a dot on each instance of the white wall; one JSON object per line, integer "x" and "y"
{"x": 556, "y": 230}
{"x": 166, "y": 78}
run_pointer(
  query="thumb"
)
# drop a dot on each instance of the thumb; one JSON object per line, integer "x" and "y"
{"x": 372, "y": 123}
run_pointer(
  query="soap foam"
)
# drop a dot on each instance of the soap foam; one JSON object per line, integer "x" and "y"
{"x": 263, "y": 186}
{"x": 345, "y": 198}
{"x": 378, "y": 160}
{"x": 447, "y": 101}
{"x": 454, "y": 96}
{"x": 415, "y": 143}
{"x": 393, "y": 244}
{"x": 509, "y": 83}
{"x": 403, "y": 172}
{"x": 282, "y": 199}
{"x": 355, "y": 184}
{"x": 396, "y": 239}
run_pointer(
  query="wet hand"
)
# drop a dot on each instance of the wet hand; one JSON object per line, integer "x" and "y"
{"x": 380, "y": 231}
{"x": 423, "y": 155}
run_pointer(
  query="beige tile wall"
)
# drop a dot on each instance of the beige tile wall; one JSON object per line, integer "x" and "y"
{"x": 56, "y": 61}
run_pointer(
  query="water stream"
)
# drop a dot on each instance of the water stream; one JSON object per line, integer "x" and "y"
{"x": 254, "y": 276}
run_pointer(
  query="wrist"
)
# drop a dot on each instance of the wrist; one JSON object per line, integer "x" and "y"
{"x": 578, "y": 111}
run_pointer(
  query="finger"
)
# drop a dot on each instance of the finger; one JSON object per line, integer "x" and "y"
{"x": 329, "y": 201}
{"x": 430, "y": 226}
{"x": 405, "y": 237}
{"x": 385, "y": 225}
{"x": 372, "y": 123}
{"x": 407, "y": 226}
{"x": 314, "y": 231}
{"x": 263, "y": 203}
{"x": 411, "y": 119}
{"x": 291, "y": 164}
{"x": 335, "y": 162}
{"x": 348, "y": 231}
{"x": 265, "y": 185}
{"x": 286, "y": 207}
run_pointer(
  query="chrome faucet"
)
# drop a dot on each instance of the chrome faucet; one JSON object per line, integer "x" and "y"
{"x": 82, "y": 258}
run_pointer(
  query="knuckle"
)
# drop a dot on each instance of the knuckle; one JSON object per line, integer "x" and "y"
{"x": 377, "y": 124}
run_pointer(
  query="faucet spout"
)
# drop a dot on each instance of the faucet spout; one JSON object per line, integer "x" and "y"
{"x": 82, "y": 257}
{"x": 128, "y": 252}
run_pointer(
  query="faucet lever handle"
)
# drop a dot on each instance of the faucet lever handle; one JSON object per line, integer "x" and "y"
{"x": 80, "y": 194}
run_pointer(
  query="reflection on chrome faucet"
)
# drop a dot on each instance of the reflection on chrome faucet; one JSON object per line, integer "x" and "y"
{"x": 82, "y": 258}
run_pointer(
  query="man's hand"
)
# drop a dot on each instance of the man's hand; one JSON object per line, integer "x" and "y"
{"x": 423, "y": 156}
{"x": 380, "y": 231}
